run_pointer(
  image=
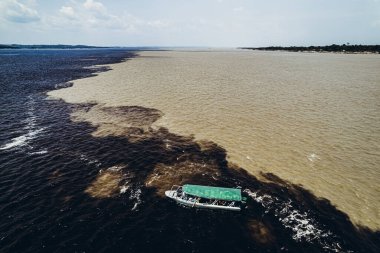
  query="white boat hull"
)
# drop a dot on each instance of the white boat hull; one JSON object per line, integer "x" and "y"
{"x": 173, "y": 195}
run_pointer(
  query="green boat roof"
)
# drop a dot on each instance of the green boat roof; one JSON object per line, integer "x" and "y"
{"x": 210, "y": 192}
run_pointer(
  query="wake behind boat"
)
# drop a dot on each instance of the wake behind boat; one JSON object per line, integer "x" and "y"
{"x": 207, "y": 197}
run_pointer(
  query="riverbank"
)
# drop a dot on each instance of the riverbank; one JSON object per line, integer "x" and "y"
{"x": 344, "y": 49}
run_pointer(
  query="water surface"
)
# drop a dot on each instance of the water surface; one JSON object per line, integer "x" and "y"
{"x": 90, "y": 177}
{"x": 312, "y": 119}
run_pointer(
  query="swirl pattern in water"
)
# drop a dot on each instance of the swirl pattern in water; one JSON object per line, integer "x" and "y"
{"x": 64, "y": 189}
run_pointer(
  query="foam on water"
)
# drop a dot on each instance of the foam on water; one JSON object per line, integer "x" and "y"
{"x": 302, "y": 224}
{"x": 135, "y": 195}
{"x": 90, "y": 161}
{"x": 123, "y": 189}
{"x": 15, "y": 142}
{"x": 42, "y": 152}
{"x": 31, "y": 128}
{"x": 22, "y": 140}
{"x": 30, "y": 121}
{"x": 313, "y": 157}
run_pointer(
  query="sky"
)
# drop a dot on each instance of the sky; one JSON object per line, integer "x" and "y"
{"x": 210, "y": 23}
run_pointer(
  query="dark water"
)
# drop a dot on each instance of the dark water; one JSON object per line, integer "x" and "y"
{"x": 48, "y": 164}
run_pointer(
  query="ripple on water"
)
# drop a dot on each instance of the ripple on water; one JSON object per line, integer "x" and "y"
{"x": 105, "y": 194}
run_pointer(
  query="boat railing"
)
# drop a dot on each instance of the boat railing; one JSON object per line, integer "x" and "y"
{"x": 176, "y": 188}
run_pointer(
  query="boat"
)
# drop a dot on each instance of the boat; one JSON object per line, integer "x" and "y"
{"x": 200, "y": 196}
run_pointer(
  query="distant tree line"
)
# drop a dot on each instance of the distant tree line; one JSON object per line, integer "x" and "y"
{"x": 17, "y": 46}
{"x": 332, "y": 48}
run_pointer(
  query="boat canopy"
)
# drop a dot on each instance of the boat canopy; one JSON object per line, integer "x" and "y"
{"x": 209, "y": 192}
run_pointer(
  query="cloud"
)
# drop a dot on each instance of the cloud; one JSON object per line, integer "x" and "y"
{"x": 81, "y": 15}
{"x": 89, "y": 15}
{"x": 94, "y": 6}
{"x": 17, "y": 12}
{"x": 67, "y": 11}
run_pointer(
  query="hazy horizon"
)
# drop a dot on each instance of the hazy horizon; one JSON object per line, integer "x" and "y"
{"x": 182, "y": 47}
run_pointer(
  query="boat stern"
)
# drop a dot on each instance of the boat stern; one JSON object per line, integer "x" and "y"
{"x": 170, "y": 194}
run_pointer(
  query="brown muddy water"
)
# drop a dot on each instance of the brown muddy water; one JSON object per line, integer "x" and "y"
{"x": 310, "y": 119}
